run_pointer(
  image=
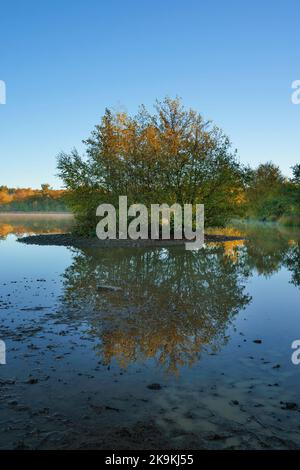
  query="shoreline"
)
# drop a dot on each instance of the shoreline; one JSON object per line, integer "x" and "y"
{"x": 67, "y": 239}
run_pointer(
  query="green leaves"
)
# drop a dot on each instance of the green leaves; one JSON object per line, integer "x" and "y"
{"x": 170, "y": 156}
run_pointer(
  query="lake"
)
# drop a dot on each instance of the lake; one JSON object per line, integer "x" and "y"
{"x": 156, "y": 348}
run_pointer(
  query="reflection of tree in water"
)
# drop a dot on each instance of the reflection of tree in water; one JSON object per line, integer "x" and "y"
{"x": 265, "y": 255}
{"x": 269, "y": 248}
{"x": 5, "y": 229}
{"x": 33, "y": 225}
{"x": 170, "y": 304}
{"x": 292, "y": 262}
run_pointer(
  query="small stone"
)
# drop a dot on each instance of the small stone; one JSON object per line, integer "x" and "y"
{"x": 235, "y": 402}
{"x": 154, "y": 386}
{"x": 32, "y": 381}
{"x": 289, "y": 405}
{"x": 13, "y": 402}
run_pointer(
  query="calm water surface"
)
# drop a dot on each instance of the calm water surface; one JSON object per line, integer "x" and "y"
{"x": 155, "y": 348}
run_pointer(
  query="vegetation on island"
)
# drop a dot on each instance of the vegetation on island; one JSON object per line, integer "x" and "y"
{"x": 173, "y": 155}
{"x": 170, "y": 156}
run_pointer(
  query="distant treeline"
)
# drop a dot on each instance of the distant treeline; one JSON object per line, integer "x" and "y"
{"x": 32, "y": 200}
{"x": 270, "y": 196}
{"x": 263, "y": 194}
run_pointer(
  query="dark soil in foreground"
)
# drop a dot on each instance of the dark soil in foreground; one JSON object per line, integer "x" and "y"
{"x": 68, "y": 239}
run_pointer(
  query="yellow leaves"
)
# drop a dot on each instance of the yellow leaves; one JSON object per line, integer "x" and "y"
{"x": 151, "y": 138}
{"x": 21, "y": 194}
{"x": 5, "y": 197}
{"x": 6, "y": 229}
{"x": 240, "y": 197}
{"x": 230, "y": 246}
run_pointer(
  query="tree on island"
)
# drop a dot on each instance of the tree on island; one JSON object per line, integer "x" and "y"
{"x": 171, "y": 156}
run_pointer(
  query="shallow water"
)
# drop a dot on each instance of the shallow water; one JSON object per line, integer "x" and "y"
{"x": 149, "y": 348}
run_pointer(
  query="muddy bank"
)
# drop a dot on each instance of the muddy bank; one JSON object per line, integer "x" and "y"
{"x": 68, "y": 239}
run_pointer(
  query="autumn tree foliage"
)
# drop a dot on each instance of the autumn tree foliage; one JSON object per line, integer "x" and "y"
{"x": 28, "y": 199}
{"x": 172, "y": 155}
{"x": 5, "y": 196}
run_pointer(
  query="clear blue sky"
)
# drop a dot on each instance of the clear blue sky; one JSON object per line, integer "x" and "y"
{"x": 64, "y": 61}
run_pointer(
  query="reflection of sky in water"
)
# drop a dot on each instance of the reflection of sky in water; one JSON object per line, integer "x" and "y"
{"x": 170, "y": 304}
{"x": 18, "y": 260}
{"x": 183, "y": 319}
